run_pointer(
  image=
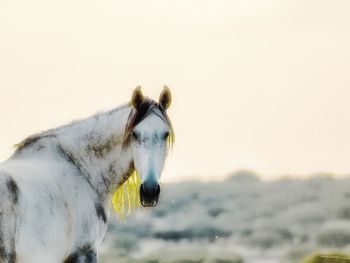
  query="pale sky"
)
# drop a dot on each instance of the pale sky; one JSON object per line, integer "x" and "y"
{"x": 257, "y": 84}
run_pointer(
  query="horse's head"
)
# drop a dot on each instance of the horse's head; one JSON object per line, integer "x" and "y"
{"x": 149, "y": 134}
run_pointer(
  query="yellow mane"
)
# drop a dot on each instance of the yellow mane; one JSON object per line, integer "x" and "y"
{"x": 126, "y": 198}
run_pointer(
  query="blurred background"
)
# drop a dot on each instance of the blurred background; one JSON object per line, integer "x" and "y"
{"x": 258, "y": 85}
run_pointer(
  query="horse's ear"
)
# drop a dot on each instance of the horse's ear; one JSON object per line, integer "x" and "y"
{"x": 137, "y": 98}
{"x": 165, "y": 98}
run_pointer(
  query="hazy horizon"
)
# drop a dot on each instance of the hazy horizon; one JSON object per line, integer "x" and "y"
{"x": 257, "y": 85}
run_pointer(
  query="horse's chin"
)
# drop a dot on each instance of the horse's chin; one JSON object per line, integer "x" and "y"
{"x": 149, "y": 203}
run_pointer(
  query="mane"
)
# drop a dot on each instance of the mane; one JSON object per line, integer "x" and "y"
{"x": 126, "y": 197}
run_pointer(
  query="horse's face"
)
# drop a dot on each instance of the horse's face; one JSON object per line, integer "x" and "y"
{"x": 149, "y": 150}
{"x": 149, "y": 147}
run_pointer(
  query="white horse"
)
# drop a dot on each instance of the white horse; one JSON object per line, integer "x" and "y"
{"x": 56, "y": 189}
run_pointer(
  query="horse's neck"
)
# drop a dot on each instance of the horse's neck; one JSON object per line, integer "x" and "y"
{"x": 97, "y": 142}
{"x": 93, "y": 146}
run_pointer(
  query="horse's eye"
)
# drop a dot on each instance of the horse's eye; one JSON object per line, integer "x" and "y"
{"x": 166, "y": 135}
{"x": 135, "y": 135}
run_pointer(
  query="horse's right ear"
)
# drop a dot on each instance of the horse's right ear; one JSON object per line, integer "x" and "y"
{"x": 137, "y": 98}
{"x": 165, "y": 98}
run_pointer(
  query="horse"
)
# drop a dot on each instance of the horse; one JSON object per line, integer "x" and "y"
{"x": 56, "y": 189}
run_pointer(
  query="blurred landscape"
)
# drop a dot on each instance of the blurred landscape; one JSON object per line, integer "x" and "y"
{"x": 241, "y": 219}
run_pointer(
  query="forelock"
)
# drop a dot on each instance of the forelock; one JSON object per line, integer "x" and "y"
{"x": 147, "y": 107}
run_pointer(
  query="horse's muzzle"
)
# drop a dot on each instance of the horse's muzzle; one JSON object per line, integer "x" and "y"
{"x": 149, "y": 194}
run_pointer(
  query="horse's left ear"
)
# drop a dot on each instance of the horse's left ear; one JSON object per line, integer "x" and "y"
{"x": 137, "y": 98}
{"x": 165, "y": 98}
